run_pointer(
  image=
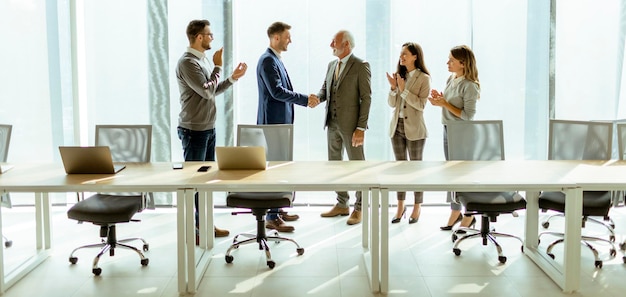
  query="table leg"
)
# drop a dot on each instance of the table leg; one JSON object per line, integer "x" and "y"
{"x": 384, "y": 241}
{"x": 180, "y": 240}
{"x": 571, "y": 262}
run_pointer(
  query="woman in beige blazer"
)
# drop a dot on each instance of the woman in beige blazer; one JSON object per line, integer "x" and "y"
{"x": 410, "y": 87}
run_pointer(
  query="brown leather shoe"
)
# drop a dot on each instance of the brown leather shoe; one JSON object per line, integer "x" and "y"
{"x": 279, "y": 225}
{"x": 336, "y": 211}
{"x": 288, "y": 217}
{"x": 221, "y": 232}
{"x": 355, "y": 217}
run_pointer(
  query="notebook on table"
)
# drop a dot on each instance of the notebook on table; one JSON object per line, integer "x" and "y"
{"x": 88, "y": 160}
{"x": 241, "y": 157}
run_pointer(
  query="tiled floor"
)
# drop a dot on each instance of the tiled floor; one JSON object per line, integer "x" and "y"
{"x": 422, "y": 262}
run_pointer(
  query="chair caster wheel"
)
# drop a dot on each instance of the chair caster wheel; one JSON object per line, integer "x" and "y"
{"x": 271, "y": 264}
{"x": 456, "y": 251}
{"x": 229, "y": 259}
{"x": 96, "y": 271}
{"x": 8, "y": 243}
{"x": 624, "y": 259}
{"x": 144, "y": 262}
{"x": 454, "y": 237}
{"x": 73, "y": 260}
{"x": 598, "y": 264}
{"x": 613, "y": 252}
{"x": 545, "y": 225}
{"x": 551, "y": 255}
{"x": 300, "y": 251}
{"x": 146, "y": 247}
{"x": 502, "y": 259}
{"x": 612, "y": 238}
{"x": 522, "y": 249}
{"x": 622, "y": 246}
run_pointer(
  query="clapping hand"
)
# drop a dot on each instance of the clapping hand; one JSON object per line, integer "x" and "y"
{"x": 217, "y": 57}
{"x": 392, "y": 80}
{"x": 436, "y": 98}
{"x": 239, "y": 71}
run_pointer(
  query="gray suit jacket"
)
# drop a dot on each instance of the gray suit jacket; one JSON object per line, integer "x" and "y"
{"x": 352, "y": 94}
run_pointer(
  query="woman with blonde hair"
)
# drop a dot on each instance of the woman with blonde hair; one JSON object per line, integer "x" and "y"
{"x": 458, "y": 103}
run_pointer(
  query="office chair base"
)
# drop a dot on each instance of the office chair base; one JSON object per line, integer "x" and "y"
{"x": 262, "y": 246}
{"x": 110, "y": 245}
{"x": 487, "y": 234}
{"x": 584, "y": 241}
{"x": 491, "y": 236}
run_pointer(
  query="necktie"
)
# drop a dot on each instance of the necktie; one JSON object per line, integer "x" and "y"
{"x": 337, "y": 70}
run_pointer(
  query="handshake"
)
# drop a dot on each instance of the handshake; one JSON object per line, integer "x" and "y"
{"x": 313, "y": 100}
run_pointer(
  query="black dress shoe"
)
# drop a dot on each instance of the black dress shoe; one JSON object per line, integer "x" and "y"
{"x": 448, "y": 228}
{"x": 397, "y": 220}
{"x": 471, "y": 225}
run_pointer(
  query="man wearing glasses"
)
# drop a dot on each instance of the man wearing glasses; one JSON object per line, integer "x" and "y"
{"x": 198, "y": 83}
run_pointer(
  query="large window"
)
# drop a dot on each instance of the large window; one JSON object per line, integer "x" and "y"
{"x": 71, "y": 64}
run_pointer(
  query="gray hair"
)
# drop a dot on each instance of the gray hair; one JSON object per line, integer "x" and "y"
{"x": 347, "y": 36}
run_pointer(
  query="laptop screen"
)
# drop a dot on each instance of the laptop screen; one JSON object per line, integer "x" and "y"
{"x": 241, "y": 157}
{"x": 88, "y": 160}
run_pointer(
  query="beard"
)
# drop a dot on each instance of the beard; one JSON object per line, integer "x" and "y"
{"x": 337, "y": 52}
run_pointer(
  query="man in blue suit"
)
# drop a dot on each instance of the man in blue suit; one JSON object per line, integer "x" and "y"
{"x": 276, "y": 100}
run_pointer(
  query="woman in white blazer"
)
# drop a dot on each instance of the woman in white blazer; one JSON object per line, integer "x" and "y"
{"x": 410, "y": 87}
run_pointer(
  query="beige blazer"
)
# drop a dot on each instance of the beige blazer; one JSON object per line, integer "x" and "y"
{"x": 418, "y": 86}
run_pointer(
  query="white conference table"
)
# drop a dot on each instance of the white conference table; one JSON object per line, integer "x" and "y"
{"x": 529, "y": 176}
{"x": 42, "y": 179}
{"x": 299, "y": 176}
{"x": 377, "y": 178}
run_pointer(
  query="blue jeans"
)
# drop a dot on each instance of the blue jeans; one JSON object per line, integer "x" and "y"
{"x": 197, "y": 146}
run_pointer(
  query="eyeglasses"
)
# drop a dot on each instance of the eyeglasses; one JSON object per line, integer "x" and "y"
{"x": 207, "y": 34}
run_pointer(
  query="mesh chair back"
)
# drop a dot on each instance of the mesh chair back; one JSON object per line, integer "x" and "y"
{"x": 475, "y": 140}
{"x": 621, "y": 140}
{"x": 128, "y": 143}
{"x": 5, "y": 139}
{"x": 277, "y": 140}
{"x": 579, "y": 140}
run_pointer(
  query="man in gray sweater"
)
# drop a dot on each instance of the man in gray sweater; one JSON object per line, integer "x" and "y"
{"x": 198, "y": 85}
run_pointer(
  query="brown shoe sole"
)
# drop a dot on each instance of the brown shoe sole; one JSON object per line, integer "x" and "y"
{"x": 332, "y": 215}
{"x": 222, "y": 234}
{"x": 281, "y": 229}
{"x": 289, "y": 218}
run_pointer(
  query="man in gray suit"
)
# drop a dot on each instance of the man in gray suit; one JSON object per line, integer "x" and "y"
{"x": 347, "y": 92}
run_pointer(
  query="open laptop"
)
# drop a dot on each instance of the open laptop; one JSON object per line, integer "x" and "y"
{"x": 240, "y": 157}
{"x": 88, "y": 160}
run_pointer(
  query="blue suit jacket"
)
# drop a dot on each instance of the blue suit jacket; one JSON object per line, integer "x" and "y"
{"x": 276, "y": 95}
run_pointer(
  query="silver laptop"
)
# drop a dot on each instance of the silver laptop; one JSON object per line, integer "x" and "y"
{"x": 240, "y": 157}
{"x": 5, "y": 168}
{"x": 88, "y": 160}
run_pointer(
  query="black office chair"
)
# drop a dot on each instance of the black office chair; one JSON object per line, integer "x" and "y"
{"x": 128, "y": 143}
{"x": 278, "y": 143}
{"x": 481, "y": 141}
{"x": 5, "y": 139}
{"x": 580, "y": 140}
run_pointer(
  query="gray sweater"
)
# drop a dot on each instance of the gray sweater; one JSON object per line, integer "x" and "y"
{"x": 198, "y": 89}
{"x": 463, "y": 94}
